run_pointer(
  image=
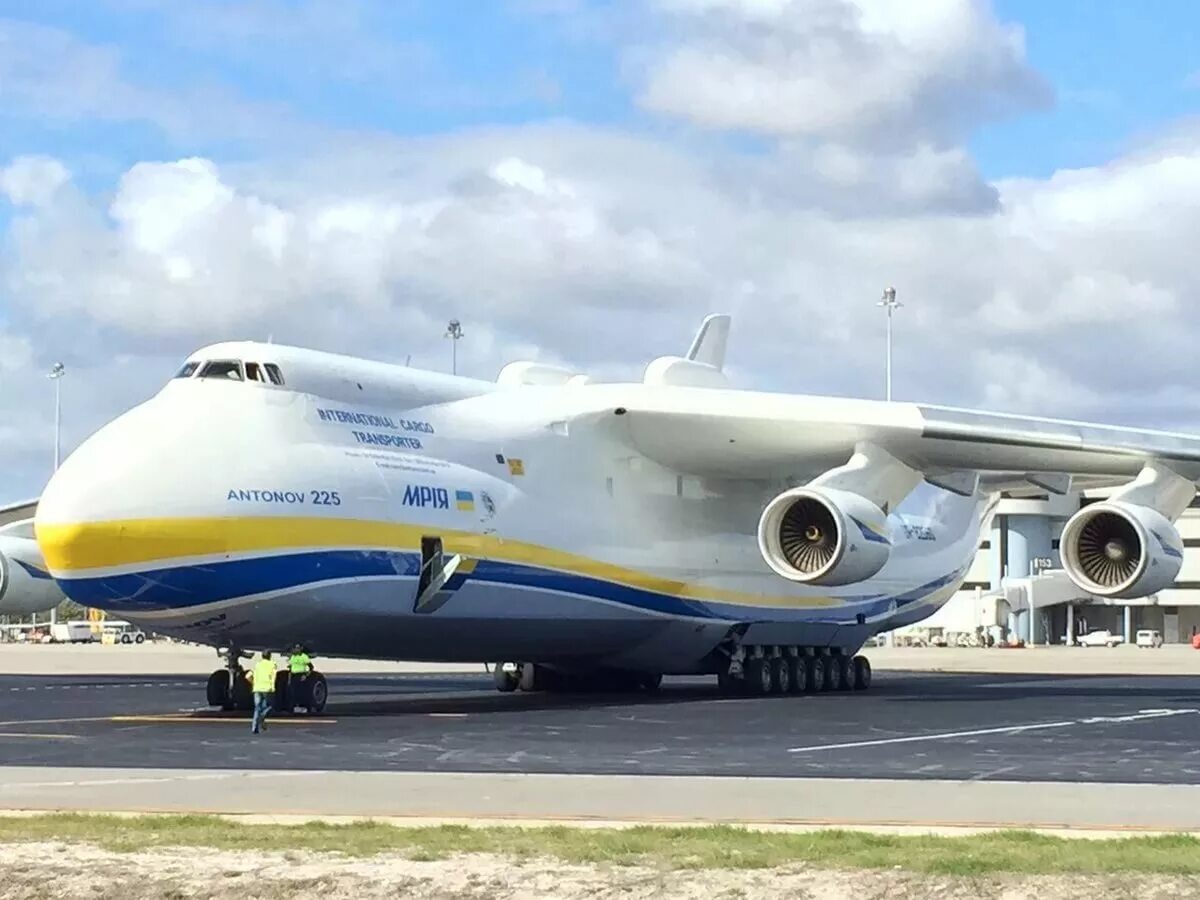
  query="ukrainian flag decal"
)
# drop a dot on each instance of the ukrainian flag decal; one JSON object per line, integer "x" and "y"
{"x": 465, "y": 500}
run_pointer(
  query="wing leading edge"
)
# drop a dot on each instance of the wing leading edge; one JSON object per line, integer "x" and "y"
{"x": 728, "y": 433}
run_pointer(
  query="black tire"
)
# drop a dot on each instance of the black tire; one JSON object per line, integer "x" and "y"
{"x": 781, "y": 676}
{"x": 845, "y": 673}
{"x": 816, "y": 674}
{"x": 139, "y": 639}
{"x": 240, "y": 695}
{"x": 799, "y": 673}
{"x": 126, "y": 639}
{"x": 506, "y": 682}
{"x": 758, "y": 676}
{"x": 529, "y": 679}
{"x": 862, "y": 673}
{"x": 318, "y": 693}
{"x": 833, "y": 673}
{"x": 727, "y": 684}
{"x": 282, "y": 702}
{"x": 218, "y": 689}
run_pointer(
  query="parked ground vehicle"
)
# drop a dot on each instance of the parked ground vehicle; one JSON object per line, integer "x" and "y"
{"x": 1100, "y": 639}
{"x": 72, "y": 632}
{"x": 118, "y": 632}
{"x": 1149, "y": 638}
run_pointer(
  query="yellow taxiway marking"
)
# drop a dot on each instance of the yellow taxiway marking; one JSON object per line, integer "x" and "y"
{"x": 242, "y": 720}
{"x": 43, "y": 737}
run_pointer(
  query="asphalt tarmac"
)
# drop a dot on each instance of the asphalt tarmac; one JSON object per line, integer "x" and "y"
{"x": 962, "y": 727}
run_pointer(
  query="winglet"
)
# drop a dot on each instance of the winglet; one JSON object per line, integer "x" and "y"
{"x": 708, "y": 347}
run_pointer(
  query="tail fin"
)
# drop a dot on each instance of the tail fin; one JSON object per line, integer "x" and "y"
{"x": 702, "y": 367}
{"x": 708, "y": 346}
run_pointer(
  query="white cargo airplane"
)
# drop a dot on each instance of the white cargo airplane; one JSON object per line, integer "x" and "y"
{"x": 571, "y": 532}
{"x": 26, "y": 587}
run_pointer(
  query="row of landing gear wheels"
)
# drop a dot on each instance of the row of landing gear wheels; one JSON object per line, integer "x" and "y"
{"x": 531, "y": 677}
{"x": 229, "y": 689}
{"x": 798, "y": 675}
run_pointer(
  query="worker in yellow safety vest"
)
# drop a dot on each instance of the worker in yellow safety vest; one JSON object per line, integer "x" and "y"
{"x": 263, "y": 685}
{"x": 299, "y": 667}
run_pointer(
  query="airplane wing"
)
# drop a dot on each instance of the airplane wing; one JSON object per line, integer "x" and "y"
{"x": 741, "y": 434}
{"x": 15, "y": 512}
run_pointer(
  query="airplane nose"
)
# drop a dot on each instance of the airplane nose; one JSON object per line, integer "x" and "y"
{"x": 97, "y": 494}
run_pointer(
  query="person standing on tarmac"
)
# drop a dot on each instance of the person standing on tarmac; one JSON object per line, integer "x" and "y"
{"x": 299, "y": 666}
{"x": 263, "y": 685}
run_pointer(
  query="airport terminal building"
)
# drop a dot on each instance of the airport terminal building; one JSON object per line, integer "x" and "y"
{"x": 1018, "y": 571}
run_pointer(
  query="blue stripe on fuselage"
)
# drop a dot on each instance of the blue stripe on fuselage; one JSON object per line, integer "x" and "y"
{"x": 184, "y": 587}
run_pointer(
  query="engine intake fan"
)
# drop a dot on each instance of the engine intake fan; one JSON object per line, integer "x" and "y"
{"x": 821, "y": 535}
{"x": 1116, "y": 549}
{"x": 808, "y": 535}
{"x": 1109, "y": 550}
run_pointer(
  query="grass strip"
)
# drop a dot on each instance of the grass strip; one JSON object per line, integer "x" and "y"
{"x": 676, "y": 848}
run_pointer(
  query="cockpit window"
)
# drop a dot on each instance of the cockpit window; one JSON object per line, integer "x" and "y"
{"x": 273, "y": 373}
{"x": 222, "y": 368}
{"x": 188, "y": 369}
{"x": 254, "y": 372}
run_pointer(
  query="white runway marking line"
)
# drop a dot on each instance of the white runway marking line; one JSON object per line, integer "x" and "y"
{"x": 1006, "y": 729}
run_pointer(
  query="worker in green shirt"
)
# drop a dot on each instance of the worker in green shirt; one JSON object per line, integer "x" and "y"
{"x": 299, "y": 667}
{"x": 262, "y": 683}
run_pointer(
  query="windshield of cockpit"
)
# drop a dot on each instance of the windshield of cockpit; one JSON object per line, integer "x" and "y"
{"x": 232, "y": 370}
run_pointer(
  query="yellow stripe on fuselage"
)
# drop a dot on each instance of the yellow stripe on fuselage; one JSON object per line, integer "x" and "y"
{"x": 81, "y": 548}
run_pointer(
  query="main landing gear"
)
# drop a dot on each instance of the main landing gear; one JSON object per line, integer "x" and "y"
{"x": 510, "y": 676}
{"x": 229, "y": 688}
{"x": 763, "y": 670}
{"x": 748, "y": 670}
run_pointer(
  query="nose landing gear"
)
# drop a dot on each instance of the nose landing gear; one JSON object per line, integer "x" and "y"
{"x": 229, "y": 688}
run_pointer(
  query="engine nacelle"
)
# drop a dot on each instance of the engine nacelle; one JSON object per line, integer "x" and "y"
{"x": 25, "y": 585}
{"x": 1123, "y": 550}
{"x": 824, "y": 536}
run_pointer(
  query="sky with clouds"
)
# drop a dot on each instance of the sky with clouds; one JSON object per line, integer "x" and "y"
{"x": 581, "y": 181}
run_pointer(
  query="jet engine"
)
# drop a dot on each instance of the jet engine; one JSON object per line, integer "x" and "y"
{"x": 823, "y": 536}
{"x": 25, "y": 586}
{"x": 1117, "y": 549}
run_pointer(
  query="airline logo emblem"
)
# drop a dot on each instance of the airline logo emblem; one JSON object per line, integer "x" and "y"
{"x": 465, "y": 501}
{"x": 516, "y": 466}
{"x": 426, "y": 497}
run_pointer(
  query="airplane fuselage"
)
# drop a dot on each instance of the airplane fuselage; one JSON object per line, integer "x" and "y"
{"x": 261, "y": 515}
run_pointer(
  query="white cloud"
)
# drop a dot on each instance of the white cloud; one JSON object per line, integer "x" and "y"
{"x": 839, "y": 69}
{"x": 16, "y": 351}
{"x": 1068, "y": 298}
{"x": 32, "y": 180}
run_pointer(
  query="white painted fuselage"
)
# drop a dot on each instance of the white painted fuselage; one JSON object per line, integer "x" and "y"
{"x": 261, "y": 515}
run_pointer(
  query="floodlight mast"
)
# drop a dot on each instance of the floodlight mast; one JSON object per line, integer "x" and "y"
{"x": 889, "y": 302}
{"x": 454, "y": 331}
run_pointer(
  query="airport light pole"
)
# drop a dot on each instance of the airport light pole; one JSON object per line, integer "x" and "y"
{"x": 454, "y": 332}
{"x": 57, "y": 371}
{"x": 889, "y": 302}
